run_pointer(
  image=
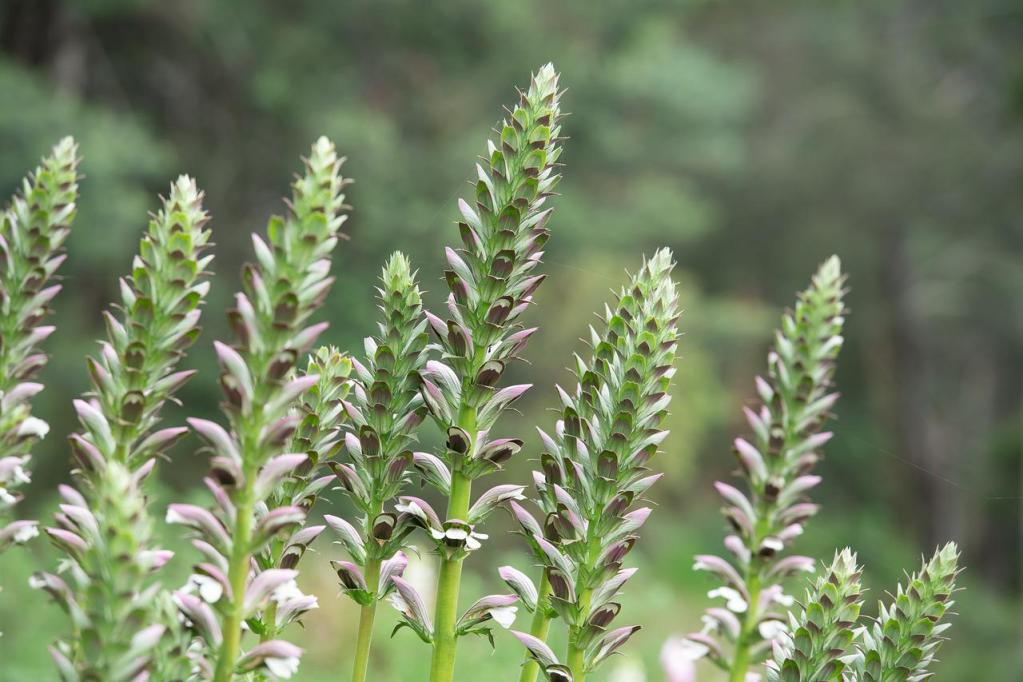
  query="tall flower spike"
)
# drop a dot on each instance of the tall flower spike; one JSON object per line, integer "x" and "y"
{"x": 901, "y": 642}
{"x": 594, "y": 473}
{"x": 775, "y": 467}
{"x": 385, "y": 411}
{"x": 32, "y": 233}
{"x": 103, "y": 526}
{"x": 282, "y": 290}
{"x": 821, "y": 633}
{"x": 318, "y": 435}
{"x": 492, "y": 280}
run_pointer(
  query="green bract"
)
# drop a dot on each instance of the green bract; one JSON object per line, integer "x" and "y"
{"x": 594, "y": 471}
{"x": 32, "y": 233}
{"x": 901, "y": 642}
{"x": 822, "y": 632}
{"x": 384, "y": 413}
{"x": 103, "y": 526}
{"x": 286, "y": 285}
{"x": 776, "y": 467}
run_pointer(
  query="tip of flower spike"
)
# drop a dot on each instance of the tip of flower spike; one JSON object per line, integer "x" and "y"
{"x": 397, "y": 271}
{"x": 844, "y": 564}
{"x": 184, "y": 189}
{"x": 545, "y": 82}
{"x": 66, "y": 147}
{"x": 830, "y": 270}
{"x": 661, "y": 263}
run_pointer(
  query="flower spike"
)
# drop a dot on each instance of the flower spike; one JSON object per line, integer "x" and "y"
{"x": 491, "y": 279}
{"x": 775, "y": 465}
{"x": 594, "y": 470}
{"x": 900, "y": 644}
{"x": 123, "y": 626}
{"x": 820, "y": 635}
{"x": 384, "y": 411}
{"x": 32, "y": 234}
{"x": 250, "y": 462}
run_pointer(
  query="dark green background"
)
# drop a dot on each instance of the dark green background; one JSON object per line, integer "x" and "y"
{"x": 753, "y": 138}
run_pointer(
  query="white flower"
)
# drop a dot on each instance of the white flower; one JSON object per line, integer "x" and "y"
{"x": 678, "y": 656}
{"x": 26, "y": 533}
{"x": 173, "y": 516}
{"x": 6, "y": 499}
{"x": 504, "y": 615}
{"x": 36, "y": 583}
{"x": 282, "y": 667}
{"x": 33, "y": 426}
{"x": 784, "y": 599}
{"x": 285, "y": 591}
{"x": 769, "y": 629}
{"x": 733, "y": 600}
{"x": 209, "y": 589}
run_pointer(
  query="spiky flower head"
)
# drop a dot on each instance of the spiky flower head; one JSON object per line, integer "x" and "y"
{"x": 251, "y": 462}
{"x": 494, "y": 275}
{"x": 775, "y": 465}
{"x": 103, "y": 526}
{"x": 820, "y": 634}
{"x": 902, "y": 641}
{"x": 32, "y": 233}
{"x": 594, "y": 470}
{"x": 385, "y": 410}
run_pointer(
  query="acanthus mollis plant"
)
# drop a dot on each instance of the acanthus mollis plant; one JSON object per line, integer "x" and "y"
{"x": 33, "y": 229}
{"x": 103, "y": 526}
{"x": 286, "y": 285}
{"x": 820, "y": 635}
{"x": 776, "y": 469}
{"x": 902, "y": 640}
{"x": 385, "y": 410}
{"x": 492, "y": 279}
{"x": 594, "y": 473}
{"x": 318, "y": 436}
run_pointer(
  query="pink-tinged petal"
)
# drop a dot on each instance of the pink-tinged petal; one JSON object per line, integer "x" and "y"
{"x": 723, "y": 569}
{"x": 216, "y": 436}
{"x": 263, "y": 585}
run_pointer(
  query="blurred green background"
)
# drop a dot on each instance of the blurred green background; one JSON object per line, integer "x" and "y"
{"x": 753, "y": 138}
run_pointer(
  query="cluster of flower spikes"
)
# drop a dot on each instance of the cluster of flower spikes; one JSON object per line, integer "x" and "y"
{"x": 103, "y": 526}
{"x": 820, "y": 635}
{"x": 492, "y": 279}
{"x": 901, "y": 642}
{"x": 594, "y": 471}
{"x": 32, "y": 233}
{"x": 282, "y": 290}
{"x": 384, "y": 411}
{"x": 318, "y": 435}
{"x": 776, "y": 468}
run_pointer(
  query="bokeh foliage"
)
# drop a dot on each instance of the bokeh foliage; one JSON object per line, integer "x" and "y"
{"x": 752, "y": 138}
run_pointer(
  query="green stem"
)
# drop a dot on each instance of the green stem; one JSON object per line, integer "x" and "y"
{"x": 366, "y": 618}
{"x": 269, "y": 622}
{"x": 576, "y": 652}
{"x": 539, "y": 628}
{"x": 238, "y": 573}
{"x": 741, "y": 661}
{"x": 442, "y": 667}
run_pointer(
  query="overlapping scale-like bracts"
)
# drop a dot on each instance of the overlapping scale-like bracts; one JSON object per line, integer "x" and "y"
{"x": 318, "y": 436}
{"x": 594, "y": 472}
{"x": 820, "y": 634}
{"x": 776, "y": 466}
{"x": 492, "y": 279}
{"x": 384, "y": 411}
{"x": 901, "y": 642}
{"x": 252, "y": 458}
{"x": 104, "y": 528}
{"x": 33, "y": 229}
